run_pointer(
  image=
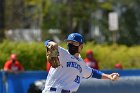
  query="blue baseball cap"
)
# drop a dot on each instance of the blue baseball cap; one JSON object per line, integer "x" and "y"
{"x": 76, "y": 37}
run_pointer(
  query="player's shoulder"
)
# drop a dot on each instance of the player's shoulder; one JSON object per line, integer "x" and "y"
{"x": 81, "y": 60}
{"x": 62, "y": 50}
{"x": 59, "y": 47}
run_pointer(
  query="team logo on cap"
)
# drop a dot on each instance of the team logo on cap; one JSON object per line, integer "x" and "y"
{"x": 72, "y": 35}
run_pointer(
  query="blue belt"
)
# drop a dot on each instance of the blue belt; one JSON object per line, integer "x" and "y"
{"x": 62, "y": 91}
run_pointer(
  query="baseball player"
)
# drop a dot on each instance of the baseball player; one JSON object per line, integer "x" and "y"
{"x": 67, "y": 66}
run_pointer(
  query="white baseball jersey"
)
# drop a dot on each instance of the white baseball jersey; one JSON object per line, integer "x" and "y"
{"x": 67, "y": 76}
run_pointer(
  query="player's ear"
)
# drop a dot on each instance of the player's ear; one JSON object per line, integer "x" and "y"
{"x": 81, "y": 46}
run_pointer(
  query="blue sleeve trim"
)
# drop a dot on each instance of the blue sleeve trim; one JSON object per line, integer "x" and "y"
{"x": 96, "y": 74}
{"x": 47, "y": 42}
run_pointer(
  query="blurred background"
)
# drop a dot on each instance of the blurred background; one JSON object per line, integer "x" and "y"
{"x": 38, "y": 18}
{"x": 111, "y": 29}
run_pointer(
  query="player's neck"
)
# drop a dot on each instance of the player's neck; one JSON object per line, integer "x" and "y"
{"x": 76, "y": 55}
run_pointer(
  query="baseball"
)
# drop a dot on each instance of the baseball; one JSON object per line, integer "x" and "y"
{"x": 115, "y": 77}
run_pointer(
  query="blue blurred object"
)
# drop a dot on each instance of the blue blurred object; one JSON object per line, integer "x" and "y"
{"x": 1, "y": 83}
{"x": 20, "y": 83}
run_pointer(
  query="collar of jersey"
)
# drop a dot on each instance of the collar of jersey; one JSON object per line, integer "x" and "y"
{"x": 76, "y": 58}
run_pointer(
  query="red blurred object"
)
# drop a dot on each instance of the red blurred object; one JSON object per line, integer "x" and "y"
{"x": 89, "y": 52}
{"x": 90, "y": 60}
{"x": 118, "y": 66}
{"x": 48, "y": 65}
{"x": 13, "y": 64}
{"x": 14, "y": 67}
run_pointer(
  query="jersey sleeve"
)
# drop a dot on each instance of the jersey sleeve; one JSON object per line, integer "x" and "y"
{"x": 96, "y": 74}
{"x": 86, "y": 71}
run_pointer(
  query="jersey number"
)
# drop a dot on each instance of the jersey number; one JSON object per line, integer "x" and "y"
{"x": 77, "y": 79}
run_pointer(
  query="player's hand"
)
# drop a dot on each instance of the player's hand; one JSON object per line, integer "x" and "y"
{"x": 114, "y": 76}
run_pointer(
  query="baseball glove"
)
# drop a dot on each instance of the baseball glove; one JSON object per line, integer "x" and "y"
{"x": 52, "y": 56}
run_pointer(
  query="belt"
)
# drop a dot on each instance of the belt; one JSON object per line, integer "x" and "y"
{"x": 62, "y": 91}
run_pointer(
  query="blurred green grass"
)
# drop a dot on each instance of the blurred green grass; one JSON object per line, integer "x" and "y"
{"x": 32, "y": 55}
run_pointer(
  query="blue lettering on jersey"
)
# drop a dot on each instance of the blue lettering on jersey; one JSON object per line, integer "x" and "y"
{"x": 77, "y": 79}
{"x": 74, "y": 65}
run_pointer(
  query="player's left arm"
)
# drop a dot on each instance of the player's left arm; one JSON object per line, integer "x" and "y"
{"x": 100, "y": 75}
{"x": 90, "y": 72}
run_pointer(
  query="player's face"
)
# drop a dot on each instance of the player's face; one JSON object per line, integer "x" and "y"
{"x": 80, "y": 46}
